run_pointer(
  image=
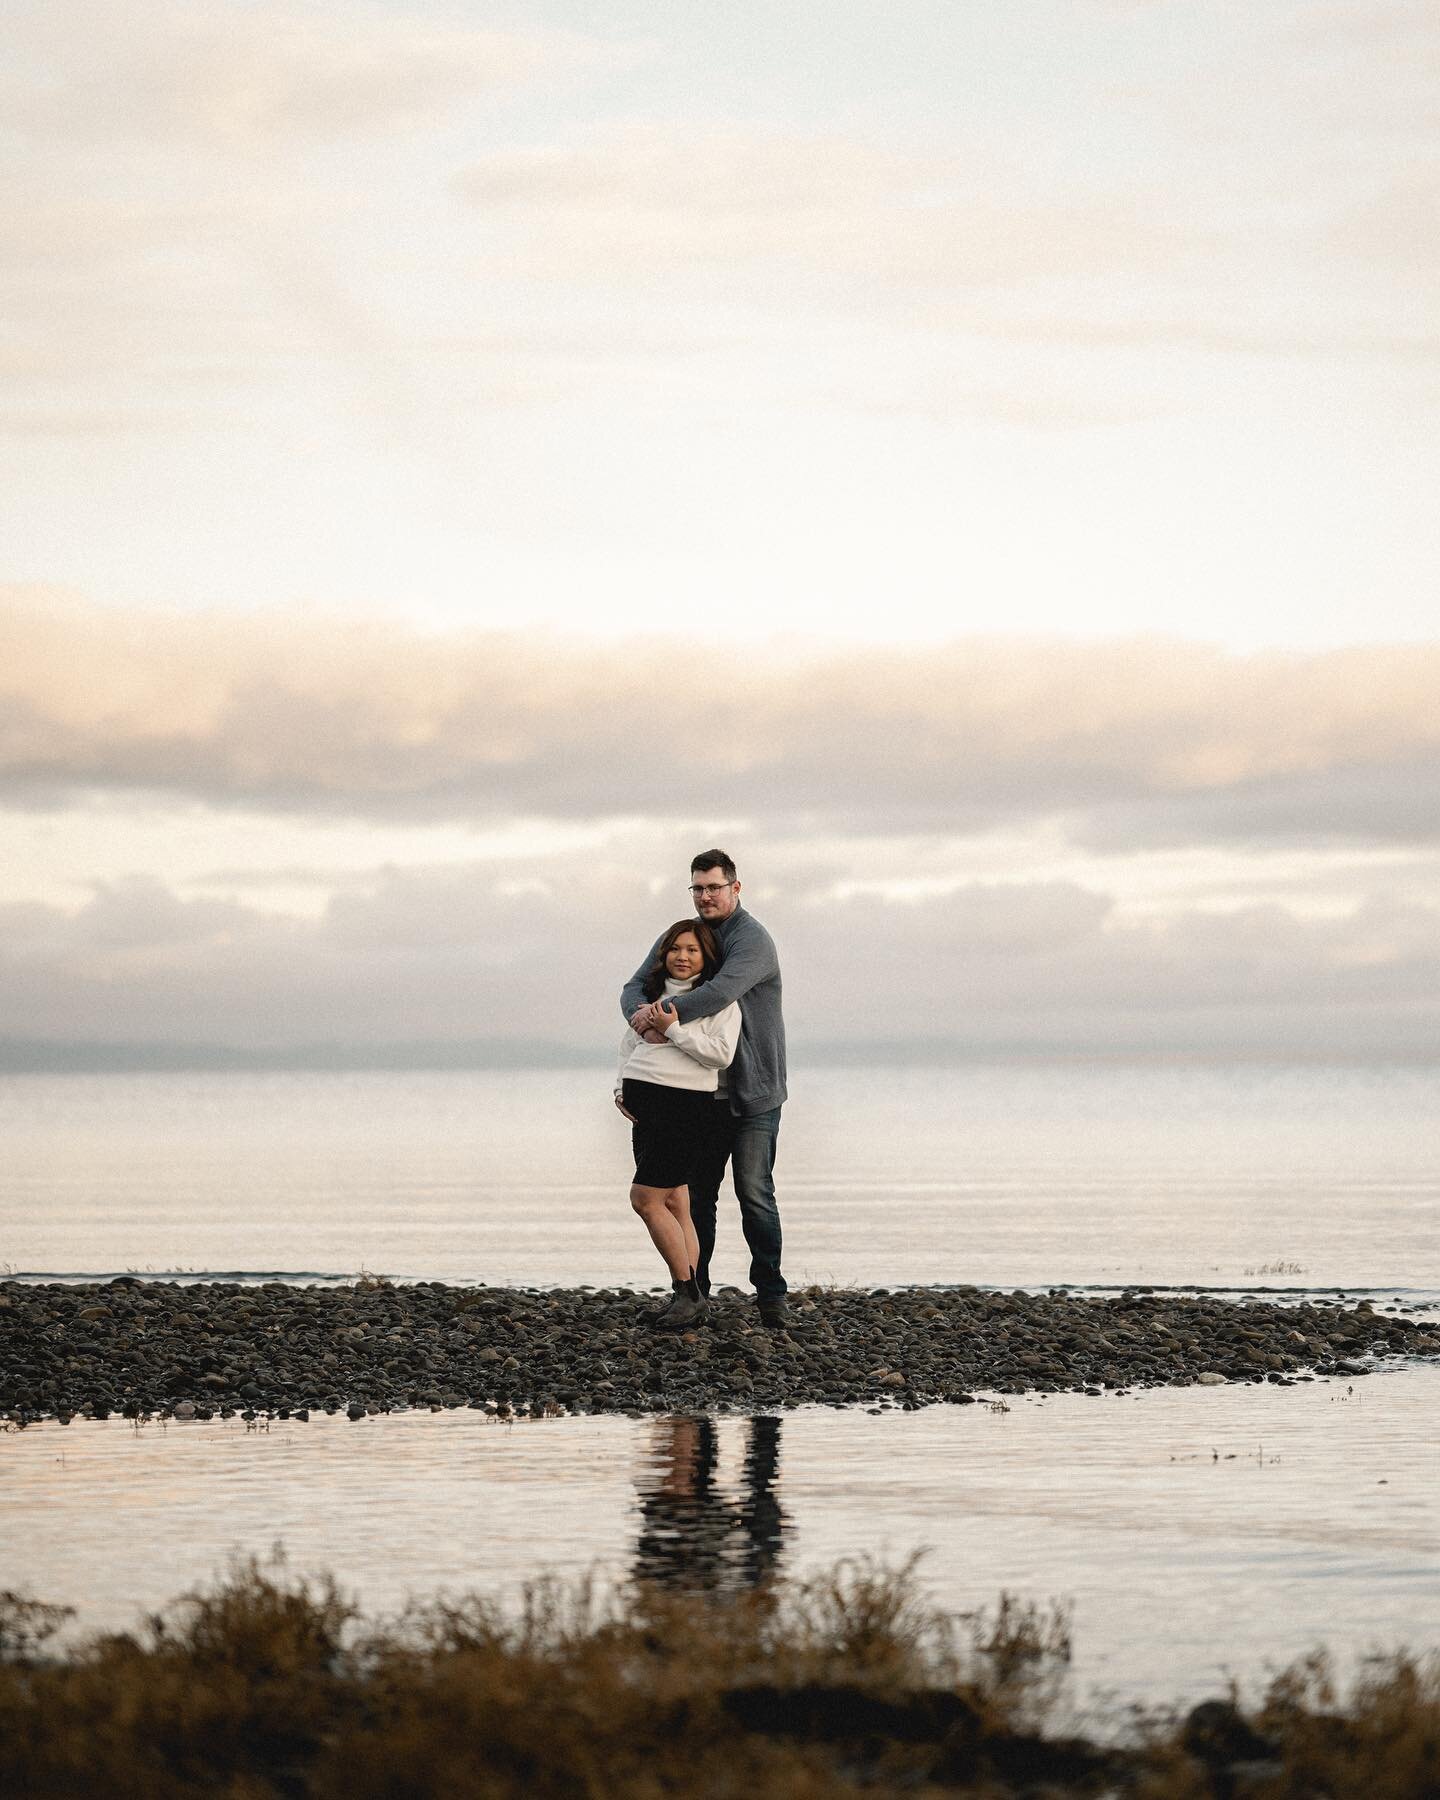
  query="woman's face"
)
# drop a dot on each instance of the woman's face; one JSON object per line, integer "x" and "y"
{"x": 684, "y": 959}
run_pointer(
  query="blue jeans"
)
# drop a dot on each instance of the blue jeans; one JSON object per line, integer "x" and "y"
{"x": 748, "y": 1145}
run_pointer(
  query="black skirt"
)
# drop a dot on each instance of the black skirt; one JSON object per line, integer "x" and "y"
{"x": 673, "y": 1129}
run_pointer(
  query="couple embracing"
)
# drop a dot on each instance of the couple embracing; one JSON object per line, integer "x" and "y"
{"x": 702, "y": 1081}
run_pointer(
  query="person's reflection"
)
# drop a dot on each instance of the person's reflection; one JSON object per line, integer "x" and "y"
{"x": 694, "y": 1536}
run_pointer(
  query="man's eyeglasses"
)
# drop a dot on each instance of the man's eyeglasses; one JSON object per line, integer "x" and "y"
{"x": 709, "y": 887}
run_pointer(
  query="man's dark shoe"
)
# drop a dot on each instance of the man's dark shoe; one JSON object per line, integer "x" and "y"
{"x": 775, "y": 1312}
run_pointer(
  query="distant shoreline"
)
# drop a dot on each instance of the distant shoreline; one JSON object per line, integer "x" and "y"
{"x": 36, "y": 1057}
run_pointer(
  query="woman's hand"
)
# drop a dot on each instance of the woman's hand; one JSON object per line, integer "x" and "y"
{"x": 620, "y": 1107}
{"x": 665, "y": 1016}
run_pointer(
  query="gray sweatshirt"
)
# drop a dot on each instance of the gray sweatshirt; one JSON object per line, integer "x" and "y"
{"x": 749, "y": 973}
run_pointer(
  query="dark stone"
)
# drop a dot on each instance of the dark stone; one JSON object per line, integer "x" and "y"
{"x": 1215, "y": 1733}
{"x": 154, "y": 1346}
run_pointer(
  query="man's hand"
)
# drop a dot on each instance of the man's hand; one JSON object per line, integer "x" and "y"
{"x": 648, "y": 1025}
{"x": 654, "y": 1017}
{"x": 620, "y": 1107}
{"x": 650, "y": 1022}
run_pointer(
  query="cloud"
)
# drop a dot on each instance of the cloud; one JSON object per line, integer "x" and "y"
{"x": 1250, "y": 330}
{"x": 1329, "y": 806}
{"x": 645, "y": 200}
{"x": 171, "y": 223}
{"x": 228, "y": 75}
{"x": 1393, "y": 230}
{"x": 942, "y": 399}
{"x": 1406, "y": 31}
{"x": 180, "y": 247}
{"x": 1134, "y": 741}
{"x": 460, "y": 956}
{"x": 952, "y": 239}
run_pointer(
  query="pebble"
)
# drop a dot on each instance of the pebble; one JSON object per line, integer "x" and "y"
{"x": 143, "y": 1348}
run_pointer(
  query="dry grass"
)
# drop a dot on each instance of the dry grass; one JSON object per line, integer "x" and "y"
{"x": 266, "y": 1685}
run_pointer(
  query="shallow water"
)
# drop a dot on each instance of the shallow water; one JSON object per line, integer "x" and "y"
{"x": 1015, "y": 1175}
{"x": 1196, "y": 1531}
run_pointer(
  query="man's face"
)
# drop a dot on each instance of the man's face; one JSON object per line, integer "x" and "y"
{"x": 715, "y": 898}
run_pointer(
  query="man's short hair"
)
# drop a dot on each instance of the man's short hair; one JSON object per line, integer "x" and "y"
{"x": 713, "y": 859}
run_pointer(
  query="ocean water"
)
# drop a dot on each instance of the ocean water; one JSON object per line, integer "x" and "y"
{"x": 1025, "y": 1175}
{"x": 1197, "y": 1532}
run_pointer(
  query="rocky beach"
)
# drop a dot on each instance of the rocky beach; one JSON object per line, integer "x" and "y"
{"x": 141, "y": 1348}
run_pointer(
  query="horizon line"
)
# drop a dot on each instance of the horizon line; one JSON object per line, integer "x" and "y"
{"x": 24, "y": 1056}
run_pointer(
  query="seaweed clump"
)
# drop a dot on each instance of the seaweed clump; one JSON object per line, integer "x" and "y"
{"x": 270, "y": 1685}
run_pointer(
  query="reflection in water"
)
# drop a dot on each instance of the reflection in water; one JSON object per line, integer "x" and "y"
{"x": 692, "y": 1534}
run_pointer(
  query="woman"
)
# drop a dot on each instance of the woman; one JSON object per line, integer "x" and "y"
{"x": 667, "y": 1090}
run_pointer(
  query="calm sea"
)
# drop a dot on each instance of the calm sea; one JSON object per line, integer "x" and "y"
{"x": 1096, "y": 1174}
{"x": 1196, "y": 1531}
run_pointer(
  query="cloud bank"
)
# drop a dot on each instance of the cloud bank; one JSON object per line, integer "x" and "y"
{"x": 460, "y": 958}
{"x": 1289, "y": 801}
{"x": 1134, "y": 742}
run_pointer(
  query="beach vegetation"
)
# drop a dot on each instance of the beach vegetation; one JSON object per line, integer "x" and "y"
{"x": 268, "y": 1684}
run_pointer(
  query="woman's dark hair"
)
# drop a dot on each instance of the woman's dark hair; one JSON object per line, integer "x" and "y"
{"x": 653, "y": 985}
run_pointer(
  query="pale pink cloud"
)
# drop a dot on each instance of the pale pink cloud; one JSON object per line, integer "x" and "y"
{"x": 1133, "y": 741}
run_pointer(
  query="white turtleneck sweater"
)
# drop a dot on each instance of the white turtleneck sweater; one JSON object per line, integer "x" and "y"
{"x": 693, "y": 1055}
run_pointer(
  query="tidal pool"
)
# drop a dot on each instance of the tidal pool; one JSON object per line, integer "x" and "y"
{"x": 1196, "y": 1532}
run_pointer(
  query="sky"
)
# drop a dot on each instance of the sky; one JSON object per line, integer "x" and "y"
{"x": 973, "y": 461}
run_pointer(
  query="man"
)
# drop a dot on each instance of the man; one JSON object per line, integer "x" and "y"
{"x": 752, "y": 1089}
